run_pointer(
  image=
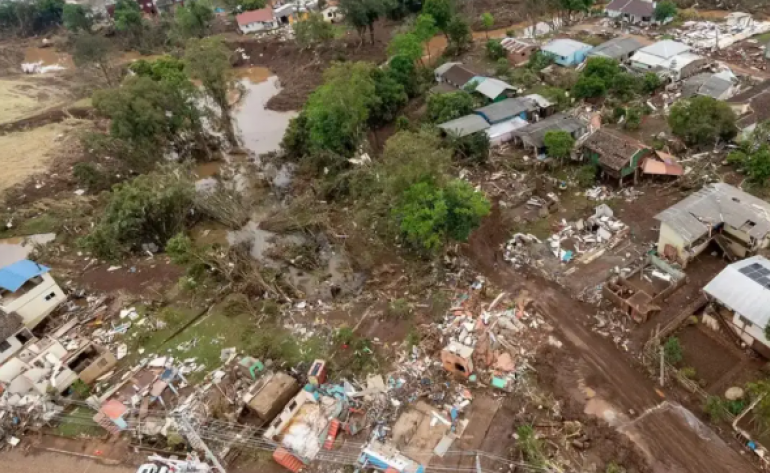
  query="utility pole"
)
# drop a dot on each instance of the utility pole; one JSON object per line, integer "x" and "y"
{"x": 197, "y": 442}
{"x": 478, "y": 464}
{"x": 662, "y": 365}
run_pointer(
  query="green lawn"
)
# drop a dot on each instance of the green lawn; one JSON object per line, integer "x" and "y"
{"x": 78, "y": 423}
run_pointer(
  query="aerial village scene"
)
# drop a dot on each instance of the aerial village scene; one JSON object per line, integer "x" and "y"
{"x": 404, "y": 236}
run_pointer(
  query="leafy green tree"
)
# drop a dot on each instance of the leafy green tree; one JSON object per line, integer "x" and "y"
{"x": 445, "y": 107}
{"x": 665, "y": 10}
{"x": 495, "y": 50}
{"x": 604, "y": 68}
{"x": 390, "y": 97}
{"x": 633, "y": 119}
{"x": 672, "y": 351}
{"x": 761, "y": 412}
{"x": 403, "y": 70}
{"x": 313, "y": 30}
{"x": 94, "y": 50}
{"x": 296, "y": 139}
{"x": 488, "y": 21}
{"x": 208, "y": 60}
{"x": 539, "y": 61}
{"x": 152, "y": 208}
{"x": 651, "y": 82}
{"x": 77, "y": 18}
{"x": 626, "y": 86}
{"x": 193, "y": 19}
{"x": 425, "y": 29}
{"x": 429, "y": 215}
{"x": 407, "y": 45}
{"x": 338, "y": 110}
{"x": 574, "y": 6}
{"x": 555, "y": 95}
{"x": 362, "y": 14}
{"x": 589, "y": 87}
{"x": 441, "y": 11}
{"x": 473, "y": 148}
{"x": 412, "y": 157}
{"x": 459, "y": 35}
{"x": 702, "y": 121}
{"x": 559, "y": 144}
{"x": 755, "y": 161}
{"x": 128, "y": 21}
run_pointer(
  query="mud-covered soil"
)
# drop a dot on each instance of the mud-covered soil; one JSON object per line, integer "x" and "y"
{"x": 301, "y": 71}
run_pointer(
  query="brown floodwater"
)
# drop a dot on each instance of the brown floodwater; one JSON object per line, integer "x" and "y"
{"x": 18, "y": 248}
{"x": 48, "y": 56}
{"x": 254, "y": 74}
{"x": 261, "y": 130}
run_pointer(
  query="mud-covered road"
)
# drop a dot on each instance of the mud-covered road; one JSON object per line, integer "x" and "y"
{"x": 671, "y": 438}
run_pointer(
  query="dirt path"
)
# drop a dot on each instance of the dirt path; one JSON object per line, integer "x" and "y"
{"x": 670, "y": 443}
{"x": 48, "y": 462}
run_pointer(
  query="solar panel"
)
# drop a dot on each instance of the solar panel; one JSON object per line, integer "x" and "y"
{"x": 746, "y": 270}
{"x": 763, "y": 281}
{"x": 763, "y": 271}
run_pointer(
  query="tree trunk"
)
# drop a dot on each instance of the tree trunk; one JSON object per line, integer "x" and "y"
{"x": 371, "y": 32}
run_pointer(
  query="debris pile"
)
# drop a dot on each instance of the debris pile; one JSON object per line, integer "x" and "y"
{"x": 602, "y": 193}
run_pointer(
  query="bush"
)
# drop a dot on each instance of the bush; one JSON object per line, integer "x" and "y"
{"x": 474, "y": 148}
{"x": 589, "y": 87}
{"x": 688, "y": 372}
{"x": 633, "y": 119}
{"x": 586, "y": 175}
{"x": 715, "y": 408}
{"x": 150, "y": 209}
{"x": 90, "y": 177}
{"x": 651, "y": 82}
{"x": 672, "y": 350}
{"x": 398, "y": 309}
{"x": 559, "y": 144}
{"x": 495, "y": 50}
{"x": 445, "y": 107}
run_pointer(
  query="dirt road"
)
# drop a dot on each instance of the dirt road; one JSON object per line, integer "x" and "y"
{"x": 671, "y": 443}
{"x": 47, "y": 462}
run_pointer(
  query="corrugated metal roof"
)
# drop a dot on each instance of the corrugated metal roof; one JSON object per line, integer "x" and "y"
{"x": 565, "y": 47}
{"x": 507, "y": 108}
{"x": 717, "y": 203}
{"x": 632, "y": 7}
{"x": 742, "y": 294}
{"x": 706, "y": 84}
{"x": 464, "y": 126}
{"x": 441, "y": 70}
{"x": 502, "y": 128}
{"x": 534, "y": 134}
{"x": 666, "y": 49}
{"x": 617, "y": 48}
{"x": 492, "y": 88}
{"x": 13, "y": 276}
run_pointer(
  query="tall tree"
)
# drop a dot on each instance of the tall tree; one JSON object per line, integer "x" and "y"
{"x": 442, "y": 12}
{"x": 389, "y": 97}
{"x": 312, "y": 30}
{"x": 425, "y": 29}
{"x": 362, "y": 14}
{"x": 208, "y": 60}
{"x": 487, "y": 20}
{"x": 407, "y": 45}
{"x": 459, "y": 35}
{"x": 77, "y": 18}
{"x": 94, "y": 50}
{"x": 338, "y": 110}
{"x": 128, "y": 20}
{"x": 559, "y": 144}
{"x": 665, "y": 10}
{"x": 193, "y": 19}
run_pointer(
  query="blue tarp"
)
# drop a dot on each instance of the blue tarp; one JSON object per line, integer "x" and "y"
{"x": 13, "y": 276}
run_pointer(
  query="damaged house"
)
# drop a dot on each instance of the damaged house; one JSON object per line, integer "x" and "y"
{"x": 670, "y": 59}
{"x": 751, "y": 106}
{"x": 533, "y": 136}
{"x": 634, "y": 12}
{"x": 619, "y": 49}
{"x": 740, "y": 297}
{"x": 736, "y": 221}
{"x": 618, "y": 156}
{"x": 720, "y": 86}
{"x": 27, "y": 289}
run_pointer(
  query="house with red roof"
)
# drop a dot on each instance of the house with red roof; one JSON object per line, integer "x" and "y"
{"x": 257, "y": 20}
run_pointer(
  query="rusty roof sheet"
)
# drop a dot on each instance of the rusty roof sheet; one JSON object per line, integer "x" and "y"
{"x": 615, "y": 150}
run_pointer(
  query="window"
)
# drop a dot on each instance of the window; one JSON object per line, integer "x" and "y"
{"x": 50, "y": 296}
{"x": 745, "y": 321}
{"x": 4, "y": 345}
{"x": 292, "y": 405}
{"x": 101, "y": 362}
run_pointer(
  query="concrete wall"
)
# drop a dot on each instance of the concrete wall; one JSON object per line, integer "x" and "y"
{"x": 668, "y": 236}
{"x": 36, "y": 303}
{"x": 258, "y": 26}
{"x": 15, "y": 346}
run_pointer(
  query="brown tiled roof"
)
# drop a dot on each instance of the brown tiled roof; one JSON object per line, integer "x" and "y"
{"x": 9, "y": 324}
{"x": 459, "y": 74}
{"x": 263, "y": 15}
{"x": 615, "y": 150}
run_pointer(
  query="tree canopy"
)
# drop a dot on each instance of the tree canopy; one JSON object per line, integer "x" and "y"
{"x": 312, "y": 30}
{"x": 77, "y": 18}
{"x": 702, "y": 120}
{"x": 559, "y": 144}
{"x": 753, "y": 155}
{"x": 488, "y": 21}
{"x": 93, "y": 50}
{"x": 445, "y": 107}
{"x": 459, "y": 35}
{"x": 407, "y": 45}
{"x": 29, "y": 17}
{"x": 442, "y": 12}
{"x": 665, "y": 10}
{"x": 362, "y": 14}
{"x": 193, "y": 19}
{"x": 389, "y": 97}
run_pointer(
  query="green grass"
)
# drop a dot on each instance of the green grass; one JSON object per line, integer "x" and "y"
{"x": 541, "y": 228}
{"x": 45, "y": 223}
{"x": 762, "y": 38}
{"x": 78, "y": 423}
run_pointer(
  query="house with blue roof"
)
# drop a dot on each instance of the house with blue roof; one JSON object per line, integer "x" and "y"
{"x": 567, "y": 52}
{"x": 28, "y": 290}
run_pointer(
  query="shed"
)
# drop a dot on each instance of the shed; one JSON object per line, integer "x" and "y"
{"x": 634, "y": 12}
{"x": 464, "y": 126}
{"x": 458, "y": 76}
{"x": 567, "y": 52}
{"x": 620, "y": 49}
{"x": 27, "y": 289}
{"x": 13, "y": 276}
{"x": 618, "y": 155}
{"x": 439, "y": 72}
{"x": 509, "y": 108}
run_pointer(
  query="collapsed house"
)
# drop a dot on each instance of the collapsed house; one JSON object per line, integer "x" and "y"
{"x": 640, "y": 293}
{"x": 736, "y": 221}
{"x": 518, "y": 50}
{"x": 617, "y": 155}
{"x": 620, "y": 49}
{"x": 669, "y": 59}
{"x": 740, "y": 296}
{"x": 751, "y": 106}
{"x": 720, "y": 86}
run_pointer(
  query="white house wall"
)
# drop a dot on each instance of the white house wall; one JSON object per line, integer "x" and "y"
{"x": 749, "y": 332}
{"x": 37, "y": 303}
{"x": 668, "y": 236}
{"x": 15, "y": 346}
